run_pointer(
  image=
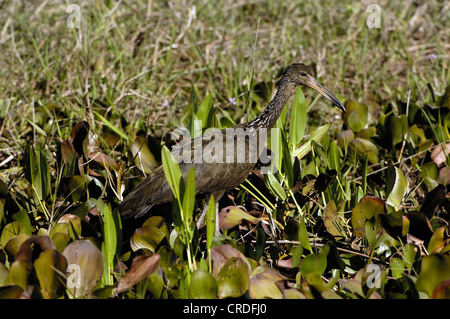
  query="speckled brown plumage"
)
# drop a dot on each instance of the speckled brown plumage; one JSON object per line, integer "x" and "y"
{"x": 216, "y": 178}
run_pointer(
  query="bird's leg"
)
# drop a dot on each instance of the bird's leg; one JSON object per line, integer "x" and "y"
{"x": 217, "y": 197}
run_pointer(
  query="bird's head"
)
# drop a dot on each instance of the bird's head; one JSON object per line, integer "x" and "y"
{"x": 302, "y": 74}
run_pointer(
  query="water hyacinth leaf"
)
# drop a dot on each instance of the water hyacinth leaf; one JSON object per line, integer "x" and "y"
{"x": 85, "y": 267}
{"x": 11, "y": 230}
{"x": 13, "y": 245}
{"x": 395, "y": 128}
{"x": 434, "y": 269}
{"x": 221, "y": 254}
{"x": 77, "y": 186}
{"x": 80, "y": 138}
{"x": 367, "y": 133}
{"x": 367, "y": 208}
{"x": 266, "y": 284}
{"x": 315, "y": 136}
{"x": 437, "y": 241}
{"x": 203, "y": 285}
{"x": 314, "y": 263}
{"x": 23, "y": 217}
{"x": 444, "y": 176}
{"x": 331, "y": 220}
{"x": 343, "y": 138}
{"x": 233, "y": 279}
{"x": 103, "y": 160}
{"x": 297, "y": 123}
{"x": 141, "y": 267}
{"x": 49, "y": 269}
{"x": 365, "y": 148}
{"x": 396, "y": 187}
{"x": 397, "y": 267}
{"x": 146, "y": 237}
{"x": 419, "y": 226}
{"x": 143, "y": 157}
{"x": 18, "y": 273}
{"x": 440, "y": 154}
{"x": 232, "y": 216}
{"x": 394, "y": 224}
{"x": 355, "y": 116}
{"x": 442, "y": 290}
{"x": 31, "y": 247}
{"x": 11, "y": 292}
{"x": 155, "y": 285}
{"x": 68, "y": 224}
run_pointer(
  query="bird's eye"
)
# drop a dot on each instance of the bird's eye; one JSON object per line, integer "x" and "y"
{"x": 303, "y": 74}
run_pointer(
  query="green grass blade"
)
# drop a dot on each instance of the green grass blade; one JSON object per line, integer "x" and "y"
{"x": 297, "y": 123}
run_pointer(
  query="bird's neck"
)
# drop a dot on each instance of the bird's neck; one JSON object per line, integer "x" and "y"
{"x": 269, "y": 116}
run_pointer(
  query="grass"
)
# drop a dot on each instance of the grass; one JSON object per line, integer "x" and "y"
{"x": 142, "y": 66}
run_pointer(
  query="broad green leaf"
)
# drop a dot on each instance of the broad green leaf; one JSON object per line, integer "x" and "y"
{"x": 146, "y": 237}
{"x": 203, "y": 285}
{"x": 343, "y": 138}
{"x": 297, "y": 123}
{"x": 265, "y": 284}
{"x": 314, "y": 263}
{"x": 437, "y": 241}
{"x": 316, "y": 135}
{"x": 11, "y": 230}
{"x": 367, "y": 208}
{"x": 396, "y": 128}
{"x": 233, "y": 279}
{"x": 365, "y": 148}
{"x": 13, "y": 245}
{"x": 18, "y": 273}
{"x": 434, "y": 269}
{"x": 143, "y": 157}
{"x": 331, "y": 220}
{"x": 397, "y": 267}
{"x": 49, "y": 269}
{"x": 355, "y": 116}
{"x": 396, "y": 187}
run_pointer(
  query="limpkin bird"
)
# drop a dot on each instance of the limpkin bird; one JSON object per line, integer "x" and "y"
{"x": 217, "y": 177}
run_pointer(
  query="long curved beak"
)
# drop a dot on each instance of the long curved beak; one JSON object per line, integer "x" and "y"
{"x": 313, "y": 84}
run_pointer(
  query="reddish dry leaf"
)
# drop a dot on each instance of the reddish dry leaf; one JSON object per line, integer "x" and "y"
{"x": 141, "y": 268}
{"x": 438, "y": 155}
{"x": 444, "y": 175}
{"x": 103, "y": 160}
